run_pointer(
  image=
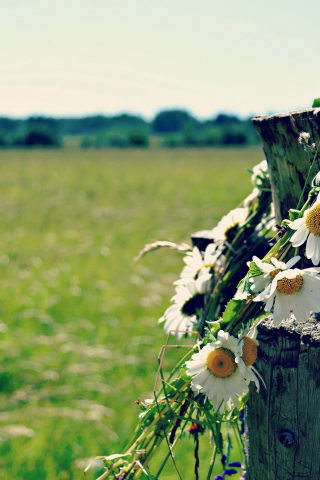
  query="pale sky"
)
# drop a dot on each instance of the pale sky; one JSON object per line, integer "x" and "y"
{"x": 74, "y": 57}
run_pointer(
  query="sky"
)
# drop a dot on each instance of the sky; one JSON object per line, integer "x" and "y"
{"x": 76, "y": 57}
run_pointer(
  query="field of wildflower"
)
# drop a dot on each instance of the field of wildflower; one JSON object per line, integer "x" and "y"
{"x": 79, "y": 337}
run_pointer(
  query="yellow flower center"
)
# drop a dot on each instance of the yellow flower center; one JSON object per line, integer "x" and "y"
{"x": 289, "y": 286}
{"x": 313, "y": 220}
{"x": 275, "y": 272}
{"x": 221, "y": 362}
{"x": 206, "y": 265}
{"x": 249, "y": 351}
{"x": 231, "y": 231}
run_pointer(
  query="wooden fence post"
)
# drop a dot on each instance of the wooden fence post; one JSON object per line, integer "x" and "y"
{"x": 288, "y": 163}
{"x": 283, "y": 420}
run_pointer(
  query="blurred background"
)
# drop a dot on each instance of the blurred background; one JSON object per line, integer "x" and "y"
{"x": 121, "y": 123}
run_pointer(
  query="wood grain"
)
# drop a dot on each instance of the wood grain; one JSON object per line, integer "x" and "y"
{"x": 283, "y": 420}
{"x": 287, "y": 161}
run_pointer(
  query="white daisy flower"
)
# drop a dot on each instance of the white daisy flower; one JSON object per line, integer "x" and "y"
{"x": 260, "y": 282}
{"x": 215, "y": 372}
{"x": 294, "y": 289}
{"x": 228, "y": 225}
{"x": 268, "y": 219}
{"x": 197, "y": 265}
{"x": 247, "y": 202}
{"x": 260, "y": 172}
{"x": 308, "y": 228}
{"x": 188, "y": 299}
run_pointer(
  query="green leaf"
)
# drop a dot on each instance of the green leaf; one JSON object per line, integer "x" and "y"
{"x": 219, "y": 442}
{"x": 232, "y": 309}
{"x": 316, "y": 103}
{"x": 214, "y": 329}
{"x": 243, "y": 290}
{"x": 254, "y": 270}
{"x": 183, "y": 374}
{"x": 228, "y": 448}
{"x": 293, "y": 214}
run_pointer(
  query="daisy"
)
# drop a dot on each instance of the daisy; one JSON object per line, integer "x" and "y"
{"x": 260, "y": 282}
{"x": 228, "y": 226}
{"x": 249, "y": 345}
{"x": 308, "y": 228}
{"x": 250, "y": 200}
{"x": 294, "y": 289}
{"x": 260, "y": 173}
{"x": 215, "y": 372}
{"x": 268, "y": 219}
{"x": 187, "y": 301}
{"x": 197, "y": 265}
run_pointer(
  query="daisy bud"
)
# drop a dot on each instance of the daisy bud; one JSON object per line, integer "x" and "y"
{"x": 304, "y": 138}
{"x": 316, "y": 181}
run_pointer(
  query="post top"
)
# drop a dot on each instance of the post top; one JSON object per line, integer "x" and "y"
{"x": 308, "y": 332}
{"x": 305, "y": 113}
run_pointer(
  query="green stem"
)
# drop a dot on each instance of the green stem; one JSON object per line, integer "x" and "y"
{"x": 162, "y": 466}
{"x": 213, "y": 458}
{"x": 172, "y": 447}
{"x": 179, "y": 365}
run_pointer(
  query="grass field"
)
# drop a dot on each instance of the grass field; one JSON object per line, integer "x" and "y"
{"x": 78, "y": 334}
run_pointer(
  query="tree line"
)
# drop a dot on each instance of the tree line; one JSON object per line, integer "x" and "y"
{"x": 169, "y": 128}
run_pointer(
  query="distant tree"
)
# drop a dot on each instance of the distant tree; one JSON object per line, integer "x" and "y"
{"x": 234, "y": 138}
{"x": 124, "y": 122}
{"x": 224, "y": 119}
{"x": 38, "y": 138}
{"x": 138, "y": 139}
{"x": 172, "y": 121}
{"x": 86, "y": 142}
{"x": 4, "y": 142}
{"x": 46, "y": 124}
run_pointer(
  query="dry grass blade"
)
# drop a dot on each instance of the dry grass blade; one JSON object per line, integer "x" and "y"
{"x": 149, "y": 247}
{"x": 113, "y": 457}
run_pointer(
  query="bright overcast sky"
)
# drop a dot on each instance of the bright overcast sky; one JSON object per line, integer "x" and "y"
{"x": 74, "y": 57}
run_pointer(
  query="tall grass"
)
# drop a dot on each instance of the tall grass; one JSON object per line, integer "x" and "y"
{"x": 78, "y": 334}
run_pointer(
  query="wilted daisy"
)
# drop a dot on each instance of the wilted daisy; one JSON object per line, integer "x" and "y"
{"x": 260, "y": 173}
{"x": 294, "y": 289}
{"x": 260, "y": 282}
{"x": 187, "y": 301}
{"x": 216, "y": 373}
{"x": 249, "y": 345}
{"x": 197, "y": 265}
{"x": 228, "y": 226}
{"x": 308, "y": 228}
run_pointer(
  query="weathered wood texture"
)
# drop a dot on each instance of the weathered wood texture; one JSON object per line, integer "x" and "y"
{"x": 288, "y": 162}
{"x": 283, "y": 419}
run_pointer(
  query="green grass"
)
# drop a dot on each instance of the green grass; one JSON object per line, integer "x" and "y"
{"x": 79, "y": 336}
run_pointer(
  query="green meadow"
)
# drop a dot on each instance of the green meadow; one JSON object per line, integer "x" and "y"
{"x": 79, "y": 337}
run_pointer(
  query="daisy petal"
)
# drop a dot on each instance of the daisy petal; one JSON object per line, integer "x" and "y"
{"x": 310, "y": 250}
{"x": 300, "y": 236}
{"x": 292, "y": 261}
{"x": 297, "y": 223}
